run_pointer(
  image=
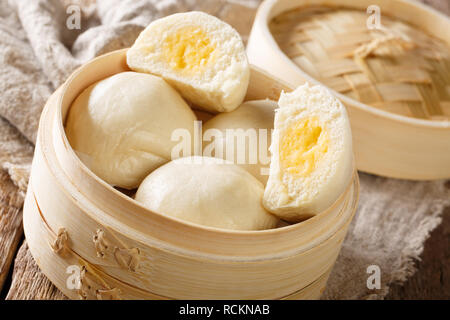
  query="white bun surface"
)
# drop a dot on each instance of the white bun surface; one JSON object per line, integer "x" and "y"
{"x": 121, "y": 126}
{"x": 207, "y": 191}
{"x": 253, "y": 116}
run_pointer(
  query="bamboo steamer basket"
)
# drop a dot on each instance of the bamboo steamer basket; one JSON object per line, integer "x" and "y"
{"x": 406, "y": 132}
{"x": 124, "y": 251}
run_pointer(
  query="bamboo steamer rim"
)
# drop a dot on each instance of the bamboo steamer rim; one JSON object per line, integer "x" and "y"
{"x": 185, "y": 226}
{"x": 102, "y": 275}
{"x": 272, "y": 8}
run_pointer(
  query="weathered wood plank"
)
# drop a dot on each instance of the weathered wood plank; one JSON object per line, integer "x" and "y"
{"x": 432, "y": 279}
{"x": 29, "y": 283}
{"x": 11, "y": 230}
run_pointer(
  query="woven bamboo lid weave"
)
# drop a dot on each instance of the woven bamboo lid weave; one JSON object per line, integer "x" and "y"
{"x": 396, "y": 67}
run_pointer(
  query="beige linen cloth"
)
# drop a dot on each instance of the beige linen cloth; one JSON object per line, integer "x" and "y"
{"x": 38, "y": 51}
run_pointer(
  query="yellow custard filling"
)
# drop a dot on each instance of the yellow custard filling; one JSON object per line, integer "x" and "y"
{"x": 188, "y": 50}
{"x": 302, "y": 146}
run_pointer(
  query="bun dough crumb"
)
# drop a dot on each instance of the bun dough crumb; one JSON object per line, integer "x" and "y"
{"x": 312, "y": 157}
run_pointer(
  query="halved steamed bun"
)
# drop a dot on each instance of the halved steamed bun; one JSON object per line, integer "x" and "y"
{"x": 121, "y": 127}
{"x": 201, "y": 56}
{"x": 312, "y": 157}
{"x": 207, "y": 191}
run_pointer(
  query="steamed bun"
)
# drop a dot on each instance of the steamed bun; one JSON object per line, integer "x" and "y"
{"x": 312, "y": 157}
{"x": 121, "y": 126}
{"x": 200, "y": 55}
{"x": 256, "y": 116}
{"x": 207, "y": 191}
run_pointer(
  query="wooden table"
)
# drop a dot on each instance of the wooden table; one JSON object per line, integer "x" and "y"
{"x": 20, "y": 278}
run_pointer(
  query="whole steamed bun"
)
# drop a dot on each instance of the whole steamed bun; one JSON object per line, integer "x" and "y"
{"x": 248, "y": 119}
{"x": 207, "y": 191}
{"x": 121, "y": 126}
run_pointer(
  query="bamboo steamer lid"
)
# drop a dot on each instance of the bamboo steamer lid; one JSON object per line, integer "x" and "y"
{"x": 394, "y": 77}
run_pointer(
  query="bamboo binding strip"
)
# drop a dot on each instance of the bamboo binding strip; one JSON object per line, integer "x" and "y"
{"x": 396, "y": 67}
